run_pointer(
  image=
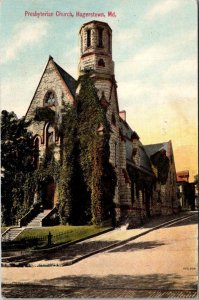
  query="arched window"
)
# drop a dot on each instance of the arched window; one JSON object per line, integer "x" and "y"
{"x": 49, "y": 142}
{"x": 101, "y": 63}
{"x": 109, "y": 42}
{"x": 50, "y": 135}
{"x": 113, "y": 119}
{"x": 100, "y": 37}
{"x": 36, "y": 153}
{"x": 50, "y": 98}
{"x": 88, "y": 38}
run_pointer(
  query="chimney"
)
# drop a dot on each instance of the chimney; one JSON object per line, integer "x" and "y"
{"x": 123, "y": 115}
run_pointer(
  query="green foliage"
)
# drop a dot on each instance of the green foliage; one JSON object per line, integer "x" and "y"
{"x": 66, "y": 182}
{"x": 94, "y": 147}
{"x": 17, "y": 164}
{"x": 84, "y": 177}
{"x": 84, "y": 186}
{"x": 61, "y": 234}
{"x": 45, "y": 114}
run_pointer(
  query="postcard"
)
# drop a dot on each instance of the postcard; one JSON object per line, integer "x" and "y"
{"x": 99, "y": 190}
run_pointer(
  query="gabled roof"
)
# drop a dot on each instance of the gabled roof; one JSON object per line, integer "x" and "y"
{"x": 154, "y": 148}
{"x": 144, "y": 159}
{"x": 128, "y": 134}
{"x": 70, "y": 82}
{"x": 68, "y": 79}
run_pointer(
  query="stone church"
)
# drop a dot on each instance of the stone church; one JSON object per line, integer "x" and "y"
{"x": 146, "y": 176}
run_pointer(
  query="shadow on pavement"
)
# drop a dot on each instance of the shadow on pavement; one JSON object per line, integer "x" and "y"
{"x": 138, "y": 246}
{"x": 90, "y": 286}
{"x": 191, "y": 221}
{"x": 155, "y": 221}
{"x": 69, "y": 253}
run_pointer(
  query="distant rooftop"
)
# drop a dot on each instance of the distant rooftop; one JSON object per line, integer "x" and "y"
{"x": 154, "y": 148}
{"x": 183, "y": 176}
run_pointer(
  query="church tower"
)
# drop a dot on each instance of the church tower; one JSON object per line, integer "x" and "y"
{"x": 96, "y": 59}
{"x": 96, "y": 49}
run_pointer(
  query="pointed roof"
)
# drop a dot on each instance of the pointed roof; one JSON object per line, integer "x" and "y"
{"x": 154, "y": 148}
{"x": 68, "y": 79}
{"x": 128, "y": 133}
{"x": 70, "y": 82}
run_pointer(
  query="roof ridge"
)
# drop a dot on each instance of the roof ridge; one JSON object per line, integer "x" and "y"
{"x": 156, "y": 144}
{"x": 57, "y": 65}
{"x": 67, "y": 78}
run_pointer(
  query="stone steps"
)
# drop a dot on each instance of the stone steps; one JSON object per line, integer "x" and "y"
{"x": 12, "y": 234}
{"x": 36, "y": 222}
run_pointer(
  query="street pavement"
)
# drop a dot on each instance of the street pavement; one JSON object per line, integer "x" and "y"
{"x": 161, "y": 263}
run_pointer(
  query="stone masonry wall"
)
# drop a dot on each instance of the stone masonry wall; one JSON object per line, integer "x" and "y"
{"x": 49, "y": 81}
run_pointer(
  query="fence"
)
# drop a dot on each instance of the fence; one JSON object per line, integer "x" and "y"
{"x": 35, "y": 241}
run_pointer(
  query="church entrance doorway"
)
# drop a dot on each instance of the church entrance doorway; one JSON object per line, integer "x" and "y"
{"x": 48, "y": 193}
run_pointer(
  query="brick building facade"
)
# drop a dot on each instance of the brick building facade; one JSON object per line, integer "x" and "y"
{"x": 140, "y": 191}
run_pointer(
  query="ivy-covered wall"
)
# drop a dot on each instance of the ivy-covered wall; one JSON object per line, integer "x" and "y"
{"x": 85, "y": 178}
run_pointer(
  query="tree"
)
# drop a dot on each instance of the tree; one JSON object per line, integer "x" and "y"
{"x": 17, "y": 164}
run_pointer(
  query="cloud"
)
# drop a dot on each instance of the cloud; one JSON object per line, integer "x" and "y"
{"x": 162, "y": 8}
{"x": 147, "y": 57}
{"x": 69, "y": 61}
{"x": 126, "y": 35}
{"x": 183, "y": 68}
{"x": 24, "y": 34}
{"x": 16, "y": 95}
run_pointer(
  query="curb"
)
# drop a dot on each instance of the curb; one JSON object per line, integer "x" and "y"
{"x": 120, "y": 243}
{"x": 65, "y": 245}
{"x": 124, "y": 241}
{"x": 73, "y": 261}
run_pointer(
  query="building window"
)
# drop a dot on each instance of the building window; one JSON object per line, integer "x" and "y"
{"x": 109, "y": 42}
{"x": 113, "y": 120}
{"x": 49, "y": 141}
{"x": 50, "y": 99}
{"x": 101, "y": 63}
{"x": 88, "y": 40}
{"x": 36, "y": 153}
{"x": 100, "y": 37}
{"x": 115, "y": 154}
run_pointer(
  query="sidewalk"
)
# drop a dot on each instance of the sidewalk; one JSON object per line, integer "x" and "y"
{"x": 104, "y": 242}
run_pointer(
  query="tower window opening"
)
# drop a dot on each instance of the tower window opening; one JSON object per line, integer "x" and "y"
{"x": 109, "y": 42}
{"x": 100, "y": 37}
{"x": 101, "y": 63}
{"x": 88, "y": 38}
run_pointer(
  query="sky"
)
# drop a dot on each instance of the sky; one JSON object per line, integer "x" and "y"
{"x": 155, "y": 55}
